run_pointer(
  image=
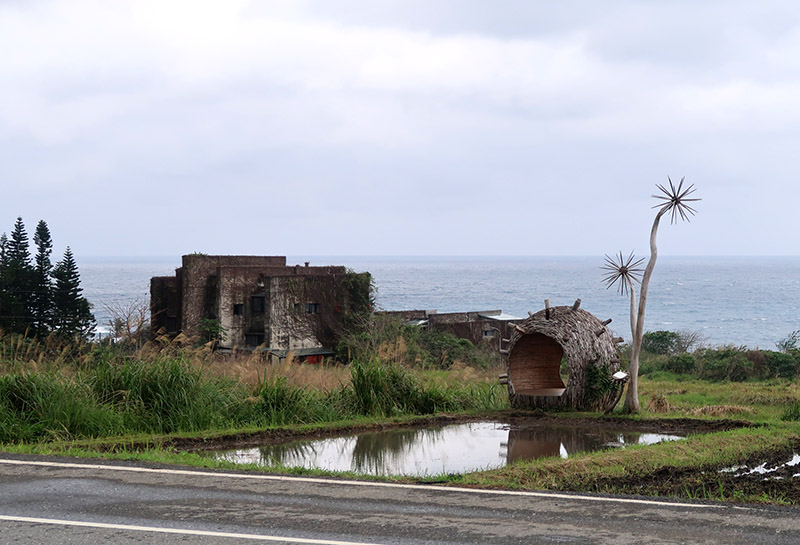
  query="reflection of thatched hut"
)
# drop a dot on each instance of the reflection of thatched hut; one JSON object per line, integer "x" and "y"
{"x": 535, "y": 351}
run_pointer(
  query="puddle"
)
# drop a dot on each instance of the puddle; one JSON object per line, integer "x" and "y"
{"x": 770, "y": 470}
{"x": 454, "y": 448}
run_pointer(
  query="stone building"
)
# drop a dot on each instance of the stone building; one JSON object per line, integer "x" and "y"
{"x": 485, "y": 326}
{"x": 259, "y": 302}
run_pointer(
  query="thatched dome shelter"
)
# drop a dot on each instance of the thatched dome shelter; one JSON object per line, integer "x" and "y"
{"x": 534, "y": 355}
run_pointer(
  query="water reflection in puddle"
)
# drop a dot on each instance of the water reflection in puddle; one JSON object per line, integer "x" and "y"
{"x": 456, "y": 448}
{"x": 770, "y": 470}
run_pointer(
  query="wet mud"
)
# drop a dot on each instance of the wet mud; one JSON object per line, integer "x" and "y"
{"x": 773, "y": 475}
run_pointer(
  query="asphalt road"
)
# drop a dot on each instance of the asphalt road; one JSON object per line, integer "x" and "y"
{"x": 50, "y": 500}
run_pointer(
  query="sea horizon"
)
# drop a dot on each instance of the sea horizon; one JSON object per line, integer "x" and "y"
{"x": 741, "y": 300}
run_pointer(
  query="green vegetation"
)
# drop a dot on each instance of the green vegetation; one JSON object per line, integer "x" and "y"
{"x": 99, "y": 391}
{"x": 390, "y": 340}
{"x": 102, "y": 399}
{"x": 37, "y": 298}
{"x": 664, "y": 353}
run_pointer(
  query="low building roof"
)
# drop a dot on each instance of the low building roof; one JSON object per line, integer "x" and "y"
{"x": 502, "y": 316}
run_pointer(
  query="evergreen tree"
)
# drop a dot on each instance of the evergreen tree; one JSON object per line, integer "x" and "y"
{"x": 42, "y": 284}
{"x": 3, "y": 280}
{"x": 18, "y": 277}
{"x": 72, "y": 315}
{"x": 3, "y": 253}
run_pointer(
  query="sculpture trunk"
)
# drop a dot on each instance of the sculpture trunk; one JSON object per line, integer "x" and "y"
{"x": 637, "y": 325}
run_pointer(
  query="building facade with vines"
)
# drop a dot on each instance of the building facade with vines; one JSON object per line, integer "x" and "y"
{"x": 260, "y": 302}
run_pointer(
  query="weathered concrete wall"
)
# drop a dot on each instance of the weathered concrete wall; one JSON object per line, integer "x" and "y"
{"x": 242, "y": 286}
{"x": 293, "y": 327}
{"x": 407, "y": 314}
{"x": 472, "y": 325}
{"x": 258, "y": 301}
{"x": 197, "y": 271}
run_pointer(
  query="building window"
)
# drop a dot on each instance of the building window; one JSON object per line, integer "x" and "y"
{"x": 258, "y": 304}
{"x": 489, "y": 333}
{"x": 312, "y": 308}
{"x": 253, "y": 339}
{"x": 238, "y": 309}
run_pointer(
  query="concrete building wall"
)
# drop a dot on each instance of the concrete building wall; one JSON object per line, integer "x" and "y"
{"x": 199, "y": 272}
{"x": 297, "y": 328}
{"x": 258, "y": 301}
{"x": 476, "y": 326}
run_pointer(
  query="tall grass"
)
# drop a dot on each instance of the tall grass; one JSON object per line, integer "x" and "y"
{"x": 100, "y": 392}
{"x": 35, "y": 406}
{"x": 166, "y": 395}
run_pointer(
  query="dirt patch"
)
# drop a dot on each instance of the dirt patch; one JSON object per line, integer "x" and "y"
{"x": 682, "y": 426}
{"x": 770, "y": 474}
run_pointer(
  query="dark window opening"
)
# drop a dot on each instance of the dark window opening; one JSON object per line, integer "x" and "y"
{"x": 253, "y": 339}
{"x": 238, "y": 309}
{"x": 258, "y": 304}
{"x": 312, "y": 308}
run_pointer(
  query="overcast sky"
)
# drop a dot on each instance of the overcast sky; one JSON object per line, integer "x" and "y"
{"x": 380, "y": 127}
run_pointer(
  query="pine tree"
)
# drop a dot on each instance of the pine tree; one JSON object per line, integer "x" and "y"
{"x": 3, "y": 280}
{"x": 18, "y": 276}
{"x": 3, "y": 253}
{"x": 42, "y": 307}
{"x": 72, "y": 315}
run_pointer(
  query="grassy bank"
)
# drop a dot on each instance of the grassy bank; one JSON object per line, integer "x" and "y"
{"x": 694, "y": 468}
{"x": 96, "y": 400}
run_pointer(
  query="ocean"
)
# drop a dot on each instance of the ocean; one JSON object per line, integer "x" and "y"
{"x": 752, "y": 301}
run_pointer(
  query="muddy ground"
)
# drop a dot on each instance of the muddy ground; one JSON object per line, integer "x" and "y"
{"x": 772, "y": 475}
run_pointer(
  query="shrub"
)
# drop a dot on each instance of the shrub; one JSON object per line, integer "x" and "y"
{"x": 651, "y": 363}
{"x": 682, "y": 364}
{"x": 724, "y": 363}
{"x": 598, "y": 382}
{"x": 660, "y": 342}
{"x": 780, "y": 364}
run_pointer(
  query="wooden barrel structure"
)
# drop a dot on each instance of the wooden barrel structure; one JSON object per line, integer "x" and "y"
{"x": 535, "y": 352}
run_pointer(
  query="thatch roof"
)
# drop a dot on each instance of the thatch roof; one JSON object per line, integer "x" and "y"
{"x": 535, "y": 351}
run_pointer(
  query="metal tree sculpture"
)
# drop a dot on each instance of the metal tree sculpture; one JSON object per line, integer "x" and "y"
{"x": 626, "y": 272}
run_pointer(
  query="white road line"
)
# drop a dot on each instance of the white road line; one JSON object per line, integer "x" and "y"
{"x": 182, "y": 531}
{"x": 251, "y": 476}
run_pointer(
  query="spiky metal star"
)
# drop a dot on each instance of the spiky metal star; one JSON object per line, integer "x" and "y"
{"x": 675, "y": 200}
{"x": 624, "y": 270}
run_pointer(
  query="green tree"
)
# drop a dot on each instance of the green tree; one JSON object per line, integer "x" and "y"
{"x": 72, "y": 315}
{"x": 42, "y": 300}
{"x": 660, "y": 342}
{"x": 3, "y": 253}
{"x": 3, "y": 280}
{"x": 17, "y": 281}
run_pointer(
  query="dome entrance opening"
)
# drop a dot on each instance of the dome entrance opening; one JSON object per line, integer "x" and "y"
{"x": 535, "y": 364}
